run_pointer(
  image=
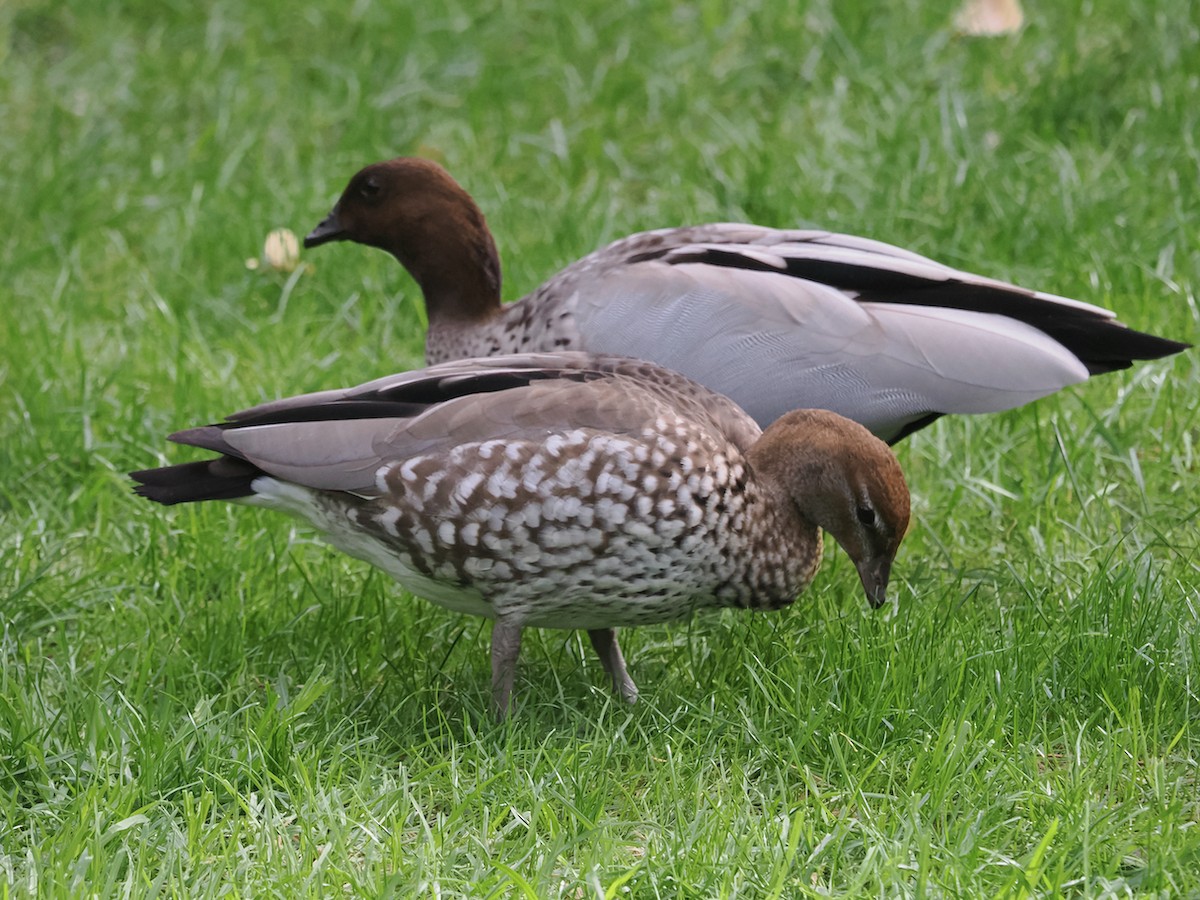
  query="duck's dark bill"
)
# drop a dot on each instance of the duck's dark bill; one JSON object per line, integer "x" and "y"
{"x": 330, "y": 229}
{"x": 874, "y": 573}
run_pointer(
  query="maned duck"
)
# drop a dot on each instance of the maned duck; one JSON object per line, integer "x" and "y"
{"x": 774, "y": 319}
{"x": 561, "y": 491}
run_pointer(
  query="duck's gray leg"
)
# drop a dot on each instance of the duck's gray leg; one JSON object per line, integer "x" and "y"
{"x": 609, "y": 651}
{"x": 506, "y": 644}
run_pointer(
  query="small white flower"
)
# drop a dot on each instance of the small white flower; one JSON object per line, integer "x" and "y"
{"x": 281, "y": 250}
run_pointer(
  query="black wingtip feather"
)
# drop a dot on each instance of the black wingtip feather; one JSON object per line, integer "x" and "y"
{"x": 1104, "y": 345}
{"x": 210, "y": 479}
{"x": 1100, "y": 343}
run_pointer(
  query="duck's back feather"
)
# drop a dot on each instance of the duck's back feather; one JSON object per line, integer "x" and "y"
{"x": 777, "y": 319}
{"x": 339, "y": 440}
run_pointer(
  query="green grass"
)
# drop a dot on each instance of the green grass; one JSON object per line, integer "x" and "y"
{"x": 207, "y": 701}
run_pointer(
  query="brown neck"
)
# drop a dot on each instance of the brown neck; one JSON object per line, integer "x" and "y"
{"x": 454, "y": 260}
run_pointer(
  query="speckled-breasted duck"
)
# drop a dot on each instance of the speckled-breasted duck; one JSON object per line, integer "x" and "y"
{"x": 561, "y": 491}
{"x": 774, "y": 319}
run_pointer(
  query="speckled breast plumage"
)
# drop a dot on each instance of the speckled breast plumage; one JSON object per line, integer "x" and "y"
{"x": 590, "y": 530}
{"x": 548, "y": 324}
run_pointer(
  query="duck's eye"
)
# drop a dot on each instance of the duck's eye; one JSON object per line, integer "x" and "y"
{"x": 369, "y": 188}
{"x": 866, "y": 515}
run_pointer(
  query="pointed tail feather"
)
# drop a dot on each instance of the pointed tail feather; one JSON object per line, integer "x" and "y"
{"x": 224, "y": 478}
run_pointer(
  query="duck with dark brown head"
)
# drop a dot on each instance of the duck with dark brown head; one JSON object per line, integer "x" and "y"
{"x": 561, "y": 491}
{"x": 775, "y": 319}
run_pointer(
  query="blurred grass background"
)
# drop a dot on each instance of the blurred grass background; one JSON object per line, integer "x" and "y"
{"x": 206, "y": 700}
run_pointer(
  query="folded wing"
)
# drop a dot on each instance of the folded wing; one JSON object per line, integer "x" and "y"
{"x": 339, "y": 440}
{"x": 876, "y": 333}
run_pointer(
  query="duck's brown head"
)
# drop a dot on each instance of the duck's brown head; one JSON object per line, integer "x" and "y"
{"x": 841, "y": 478}
{"x": 414, "y": 210}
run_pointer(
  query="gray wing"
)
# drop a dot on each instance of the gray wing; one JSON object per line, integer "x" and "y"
{"x": 339, "y": 440}
{"x": 784, "y": 319}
